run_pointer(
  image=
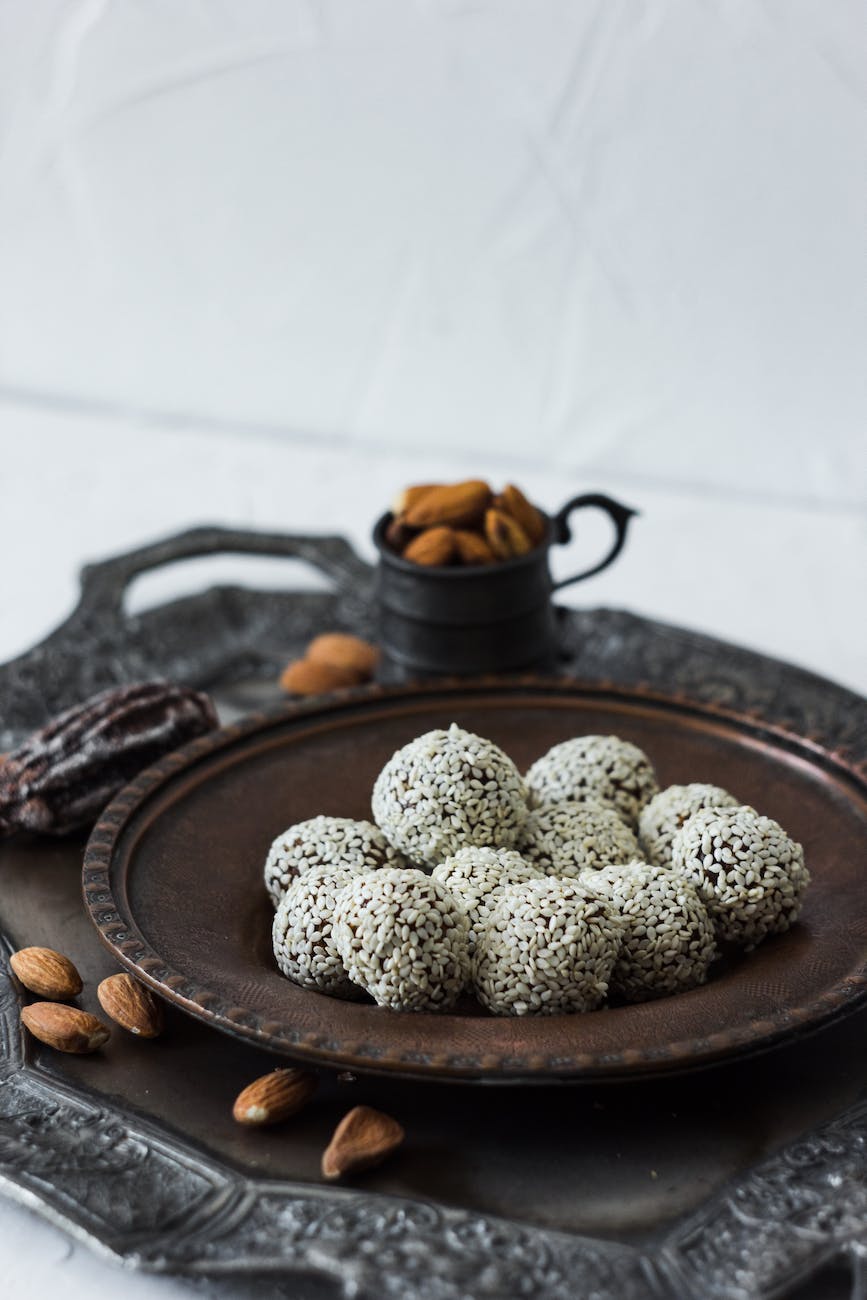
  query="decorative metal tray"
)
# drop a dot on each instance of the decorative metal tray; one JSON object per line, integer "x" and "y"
{"x": 746, "y": 1180}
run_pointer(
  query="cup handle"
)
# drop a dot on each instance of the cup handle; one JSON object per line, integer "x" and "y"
{"x": 620, "y": 516}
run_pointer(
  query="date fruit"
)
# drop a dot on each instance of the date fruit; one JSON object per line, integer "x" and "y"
{"x": 63, "y": 776}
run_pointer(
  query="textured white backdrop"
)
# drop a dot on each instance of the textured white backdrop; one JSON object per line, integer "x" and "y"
{"x": 263, "y": 261}
{"x": 619, "y": 235}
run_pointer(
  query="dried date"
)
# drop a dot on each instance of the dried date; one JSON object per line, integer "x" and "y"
{"x": 63, "y": 776}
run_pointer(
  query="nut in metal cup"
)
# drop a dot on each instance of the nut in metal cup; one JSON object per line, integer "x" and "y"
{"x": 483, "y": 618}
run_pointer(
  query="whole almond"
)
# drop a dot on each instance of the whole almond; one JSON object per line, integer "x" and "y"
{"x": 472, "y": 549}
{"x": 410, "y": 495}
{"x": 514, "y": 503}
{"x": 132, "y": 1005}
{"x": 458, "y": 504}
{"x": 64, "y": 1028}
{"x": 506, "y": 537}
{"x": 303, "y": 677}
{"x": 274, "y": 1097}
{"x": 363, "y": 1138}
{"x": 46, "y": 973}
{"x": 344, "y": 651}
{"x": 433, "y": 547}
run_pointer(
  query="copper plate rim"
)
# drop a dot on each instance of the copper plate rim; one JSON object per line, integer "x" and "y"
{"x": 119, "y": 934}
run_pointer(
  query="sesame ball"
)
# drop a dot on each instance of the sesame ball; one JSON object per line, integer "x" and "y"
{"x": 448, "y": 790}
{"x": 302, "y": 932}
{"x": 668, "y": 939}
{"x": 663, "y": 817}
{"x": 477, "y": 877}
{"x": 548, "y": 947}
{"x": 326, "y": 842}
{"x": 404, "y": 939}
{"x": 747, "y": 870}
{"x": 604, "y": 768}
{"x": 564, "y": 839}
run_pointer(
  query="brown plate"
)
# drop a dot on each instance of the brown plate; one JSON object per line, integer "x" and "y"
{"x": 173, "y": 881}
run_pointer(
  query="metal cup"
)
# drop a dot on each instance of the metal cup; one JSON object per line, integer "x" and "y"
{"x": 480, "y": 619}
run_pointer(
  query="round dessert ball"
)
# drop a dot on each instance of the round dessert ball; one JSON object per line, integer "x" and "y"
{"x": 477, "y": 877}
{"x": 748, "y": 872}
{"x": 604, "y": 768}
{"x": 668, "y": 938}
{"x": 448, "y": 790}
{"x": 564, "y": 839}
{"x": 302, "y": 932}
{"x": 548, "y": 947}
{"x": 663, "y": 817}
{"x": 404, "y": 939}
{"x": 326, "y": 842}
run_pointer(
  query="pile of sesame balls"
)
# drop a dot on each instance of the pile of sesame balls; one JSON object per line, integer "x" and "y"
{"x": 540, "y": 894}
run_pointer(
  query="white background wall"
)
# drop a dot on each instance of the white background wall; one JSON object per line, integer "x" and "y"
{"x": 263, "y": 261}
{"x": 250, "y": 249}
{"x": 621, "y": 236}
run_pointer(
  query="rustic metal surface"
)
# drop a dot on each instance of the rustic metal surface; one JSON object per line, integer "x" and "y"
{"x": 218, "y": 637}
{"x": 226, "y": 635}
{"x": 172, "y": 846}
{"x": 760, "y": 1166}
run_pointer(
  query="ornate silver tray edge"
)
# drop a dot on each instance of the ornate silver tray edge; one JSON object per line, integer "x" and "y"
{"x": 141, "y": 1195}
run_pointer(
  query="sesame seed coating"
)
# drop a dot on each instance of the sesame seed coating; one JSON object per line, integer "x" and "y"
{"x": 663, "y": 817}
{"x": 477, "y": 877}
{"x": 302, "y": 932}
{"x": 747, "y": 870}
{"x": 326, "y": 841}
{"x": 564, "y": 839}
{"x": 447, "y": 790}
{"x": 668, "y": 938}
{"x": 404, "y": 939}
{"x": 548, "y": 947}
{"x": 536, "y": 891}
{"x": 605, "y": 768}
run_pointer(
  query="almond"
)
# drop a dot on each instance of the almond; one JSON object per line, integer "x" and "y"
{"x": 410, "y": 495}
{"x": 506, "y": 537}
{"x": 64, "y": 1028}
{"x": 362, "y": 1139}
{"x": 458, "y": 504}
{"x": 303, "y": 677}
{"x": 132, "y": 1005}
{"x": 472, "y": 549}
{"x": 433, "y": 547}
{"x": 341, "y": 650}
{"x": 514, "y": 503}
{"x": 274, "y": 1097}
{"x": 46, "y": 973}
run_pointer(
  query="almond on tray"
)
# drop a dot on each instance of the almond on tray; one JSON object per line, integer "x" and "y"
{"x": 464, "y": 524}
{"x": 331, "y": 662}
